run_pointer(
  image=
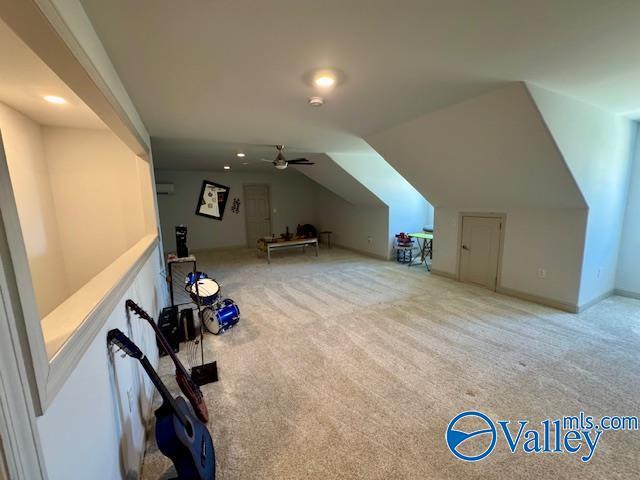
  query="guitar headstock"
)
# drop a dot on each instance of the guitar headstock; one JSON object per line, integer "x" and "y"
{"x": 118, "y": 338}
{"x": 133, "y": 306}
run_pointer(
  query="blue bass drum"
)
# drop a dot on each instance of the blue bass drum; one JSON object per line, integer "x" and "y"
{"x": 222, "y": 318}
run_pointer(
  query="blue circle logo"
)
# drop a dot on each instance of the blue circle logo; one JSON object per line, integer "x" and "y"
{"x": 486, "y": 434}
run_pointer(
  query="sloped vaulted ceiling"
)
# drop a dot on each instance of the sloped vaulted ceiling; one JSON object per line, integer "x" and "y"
{"x": 333, "y": 177}
{"x": 487, "y": 153}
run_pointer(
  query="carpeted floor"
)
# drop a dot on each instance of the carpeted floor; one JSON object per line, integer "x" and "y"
{"x": 346, "y": 367}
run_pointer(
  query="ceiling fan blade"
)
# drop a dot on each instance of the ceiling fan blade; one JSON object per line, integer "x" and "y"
{"x": 298, "y": 161}
{"x": 302, "y": 164}
{"x": 265, "y": 160}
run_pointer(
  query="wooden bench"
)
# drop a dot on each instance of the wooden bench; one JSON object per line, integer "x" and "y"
{"x": 299, "y": 243}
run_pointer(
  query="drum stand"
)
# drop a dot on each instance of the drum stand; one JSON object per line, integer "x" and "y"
{"x": 204, "y": 373}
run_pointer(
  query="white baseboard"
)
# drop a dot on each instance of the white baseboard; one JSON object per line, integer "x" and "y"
{"x": 627, "y": 293}
{"x": 361, "y": 252}
{"x": 598, "y": 299}
{"x": 443, "y": 273}
{"x": 549, "y": 302}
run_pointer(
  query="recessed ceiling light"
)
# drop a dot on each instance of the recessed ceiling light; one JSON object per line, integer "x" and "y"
{"x": 227, "y": 167}
{"x": 54, "y": 99}
{"x": 316, "y": 101}
{"x": 324, "y": 80}
{"x": 240, "y": 154}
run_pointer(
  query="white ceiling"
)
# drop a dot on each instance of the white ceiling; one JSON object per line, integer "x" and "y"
{"x": 233, "y": 71}
{"x": 25, "y": 79}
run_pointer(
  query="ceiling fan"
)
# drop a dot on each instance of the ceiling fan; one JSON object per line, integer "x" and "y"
{"x": 281, "y": 163}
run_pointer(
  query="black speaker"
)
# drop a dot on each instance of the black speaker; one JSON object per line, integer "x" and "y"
{"x": 181, "y": 241}
{"x": 168, "y": 324}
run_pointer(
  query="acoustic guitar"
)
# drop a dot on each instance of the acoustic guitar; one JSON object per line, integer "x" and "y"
{"x": 180, "y": 435}
{"x": 190, "y": 389}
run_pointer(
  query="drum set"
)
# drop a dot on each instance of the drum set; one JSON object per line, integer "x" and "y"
{"x": 218, "y": 314}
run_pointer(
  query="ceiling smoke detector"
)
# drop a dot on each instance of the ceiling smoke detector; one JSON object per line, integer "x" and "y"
{"x": 316, "y": 101}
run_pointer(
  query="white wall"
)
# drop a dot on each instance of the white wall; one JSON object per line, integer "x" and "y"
{"x": 539, "y": 157}
{"x": 90, "y": 430}
{"x": 408, "y": 210}
{"x": 628, "y": 276}
{"x": 97, "y": 185}
{"x": 494, "y": 153}
{"x": 551, "y": 239}
{"x": 597, "y": 147}
{"x": 83, "y": 199}
{"x": 291, "y": 204}
{"x": 25, "y": 153}
{"x": 491, "y": 152}
{"x": 360, "y": 227}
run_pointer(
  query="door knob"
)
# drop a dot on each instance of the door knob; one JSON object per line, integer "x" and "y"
{"x": 464, "y": 247}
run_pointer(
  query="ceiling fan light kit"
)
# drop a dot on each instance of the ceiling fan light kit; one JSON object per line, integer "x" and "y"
{"x": 281, "y": 163}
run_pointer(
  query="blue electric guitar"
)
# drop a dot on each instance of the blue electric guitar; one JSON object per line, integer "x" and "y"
{"x": 179, "y": 434}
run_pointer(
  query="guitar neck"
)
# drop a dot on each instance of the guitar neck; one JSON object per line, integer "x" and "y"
{"x": 162, "y": 389}
{"x": 159, "y": 335}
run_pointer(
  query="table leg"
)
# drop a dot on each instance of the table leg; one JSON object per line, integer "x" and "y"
{"x": 317, "y": 247}
{"x": 421, "y": 248}
{"x": 268, "y": 254}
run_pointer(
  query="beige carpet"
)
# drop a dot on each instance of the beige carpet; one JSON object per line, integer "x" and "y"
{"x": 345, "y": 367}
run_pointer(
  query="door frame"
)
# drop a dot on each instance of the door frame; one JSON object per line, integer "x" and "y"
{"x": 246, "y": 211}
{"x": 503, "y": 228}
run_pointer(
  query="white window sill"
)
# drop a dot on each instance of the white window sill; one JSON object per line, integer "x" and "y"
{"x": 71, "y": 327}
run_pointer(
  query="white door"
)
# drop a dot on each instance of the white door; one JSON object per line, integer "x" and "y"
{"x": 257, "y": 212}
{"x": 480, "y": 251}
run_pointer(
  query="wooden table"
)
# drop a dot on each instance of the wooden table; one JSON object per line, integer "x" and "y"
{"x": 426, "y": 249}
{"x": 299, "y": 243}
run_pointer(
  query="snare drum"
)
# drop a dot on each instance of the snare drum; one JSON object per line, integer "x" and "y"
{"x": 207, "y": 289}
{"x": 221, "y": 319}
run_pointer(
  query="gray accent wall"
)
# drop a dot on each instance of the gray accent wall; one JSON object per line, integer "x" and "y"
{"x": 292, "y": 197}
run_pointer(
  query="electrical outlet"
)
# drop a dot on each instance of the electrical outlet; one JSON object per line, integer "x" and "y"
{"x": 130, "y": 399}
{"x": 542, "y": 273}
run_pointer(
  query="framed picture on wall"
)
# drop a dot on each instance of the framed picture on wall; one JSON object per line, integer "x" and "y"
{"x": 212, "y": 200}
